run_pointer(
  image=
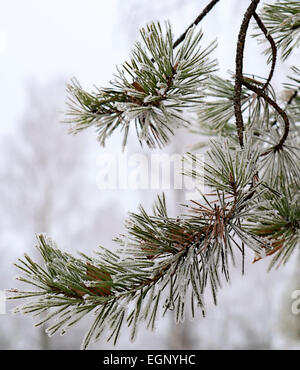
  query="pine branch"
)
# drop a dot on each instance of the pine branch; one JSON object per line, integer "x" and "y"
{"x": 165, "y": 263}
{"x": 277, "y": 220}
{"x": 153, "y": 90}
{"x": 282, "y": 19}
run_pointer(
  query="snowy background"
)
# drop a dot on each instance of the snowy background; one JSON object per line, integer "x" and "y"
{"x": 48, "y": 178}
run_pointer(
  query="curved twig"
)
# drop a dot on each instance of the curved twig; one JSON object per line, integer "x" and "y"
{"x": 284, "y": 116}
{"x": 239, "y": 70}
{"x": 273, "y": 47}
{"x": 205, "y": 11}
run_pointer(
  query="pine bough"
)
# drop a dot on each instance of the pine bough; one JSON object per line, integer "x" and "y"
{"x": 167, "y": 263}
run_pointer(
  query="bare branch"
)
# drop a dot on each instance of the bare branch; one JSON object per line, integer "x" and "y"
{"x": 205, "y": 11}
{"x": 273, "y": 47}
{"x": 239, "y": 70}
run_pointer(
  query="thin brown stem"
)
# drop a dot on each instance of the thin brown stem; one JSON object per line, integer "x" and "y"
{"x": 282, "y": 113}
{"x": 293, "y": 96}
{"x": 273, "y": 47}
{"x": 235, "y": 195}
{"x": 239, "y": 70}
{"x": 205, "y": 11}
{"x": 289, "y": 102}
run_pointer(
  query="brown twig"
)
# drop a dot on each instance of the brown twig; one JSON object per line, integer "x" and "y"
{"x": 282, "y": 113}
{"x": 293, "y": 96}
{"x": 205, "y": 11}
{"x": 239, "y": 70}
{"x": 273, "y": 47}
{"x": 289, "y": 102}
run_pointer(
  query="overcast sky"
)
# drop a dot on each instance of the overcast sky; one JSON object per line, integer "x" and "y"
{"x": 41, "y": 40}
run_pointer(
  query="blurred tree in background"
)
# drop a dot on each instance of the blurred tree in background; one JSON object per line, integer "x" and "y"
{"x": 39, "y": 186}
